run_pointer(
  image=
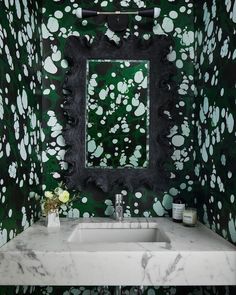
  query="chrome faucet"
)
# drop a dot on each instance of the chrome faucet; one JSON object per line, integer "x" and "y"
{"x": 118, "y": 214}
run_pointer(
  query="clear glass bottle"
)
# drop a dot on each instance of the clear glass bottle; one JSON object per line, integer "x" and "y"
{"x": 119, "y": 207}
{"x": 178, "y": 207}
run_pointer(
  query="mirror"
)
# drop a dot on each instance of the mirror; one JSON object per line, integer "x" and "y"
{"x": 117, "y": 114}
{"x": 117, "y": 98}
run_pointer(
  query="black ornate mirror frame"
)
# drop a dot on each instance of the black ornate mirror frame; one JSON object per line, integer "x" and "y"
{"x": 163, "y": 93}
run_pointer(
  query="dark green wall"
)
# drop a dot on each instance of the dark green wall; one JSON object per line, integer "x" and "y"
{"x": 215, "y": 198}
{"x": 20, "y": 116}
{"x": 176, "y": 20}
{"x": 215, "y": 122}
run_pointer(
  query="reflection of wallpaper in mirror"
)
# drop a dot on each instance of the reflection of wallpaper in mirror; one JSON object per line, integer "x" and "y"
{"x": 117, "y": 114}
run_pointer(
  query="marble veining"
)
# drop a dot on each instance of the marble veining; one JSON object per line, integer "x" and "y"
{"x": 42, "y": 256}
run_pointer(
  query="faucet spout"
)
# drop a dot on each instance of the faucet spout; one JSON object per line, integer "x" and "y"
{"x": 119, "y": 207}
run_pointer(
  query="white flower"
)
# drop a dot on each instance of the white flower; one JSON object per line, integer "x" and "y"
{"x": 48, "y": 194}
{"x": 64, "y": 197}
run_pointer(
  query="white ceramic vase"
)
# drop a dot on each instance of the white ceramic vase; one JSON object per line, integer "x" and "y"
{"x": 53, "y": 219}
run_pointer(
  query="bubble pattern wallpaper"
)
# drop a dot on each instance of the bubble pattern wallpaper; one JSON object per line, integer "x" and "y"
{"x": 20, "y": 116}
{"x": 59, "y": 23}
{"x": 215, "y": 116}
{"x": 202, "y": 166}
{"x": 117, "y": 126}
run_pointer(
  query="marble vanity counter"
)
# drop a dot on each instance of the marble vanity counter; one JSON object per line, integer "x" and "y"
{"x": 42, "y": 256}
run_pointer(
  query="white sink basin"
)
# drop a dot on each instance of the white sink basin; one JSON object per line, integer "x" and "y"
{"x": 118, "y": 232}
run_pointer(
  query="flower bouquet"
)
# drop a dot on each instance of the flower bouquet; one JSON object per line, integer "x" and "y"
{"x": 52, "y": 201}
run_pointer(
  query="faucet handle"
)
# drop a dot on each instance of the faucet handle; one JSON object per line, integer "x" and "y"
{"x": 119, "y": 198}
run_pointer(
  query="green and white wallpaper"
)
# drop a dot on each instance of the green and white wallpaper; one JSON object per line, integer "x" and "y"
{"x": 117, "y": 124}
{"x": 202, "y": 165}
{"x": 215, "y": 122}
{"x": 20, "y": 116}
{"x": 60, "y": 22}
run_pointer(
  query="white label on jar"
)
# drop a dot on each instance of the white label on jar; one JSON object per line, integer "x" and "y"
{"x": 188, "y": 219}
{"x": 177, "y": 211}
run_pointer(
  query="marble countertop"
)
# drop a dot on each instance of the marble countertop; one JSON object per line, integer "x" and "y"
{"x": 43, "y": 256}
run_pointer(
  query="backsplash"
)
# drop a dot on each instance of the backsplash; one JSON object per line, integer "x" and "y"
{"x": 20, "y": 116}
{"x": 59, "y": 23}
{"x": 216, "y": 107}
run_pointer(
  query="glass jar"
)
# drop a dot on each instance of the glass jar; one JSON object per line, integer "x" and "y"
{"x": 190, "y": 217}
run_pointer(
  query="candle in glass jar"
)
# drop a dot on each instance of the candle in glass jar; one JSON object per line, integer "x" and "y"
{"x": 190, "y": 216}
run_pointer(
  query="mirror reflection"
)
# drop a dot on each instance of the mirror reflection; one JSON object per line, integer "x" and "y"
{"x": 117, "y": 114}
